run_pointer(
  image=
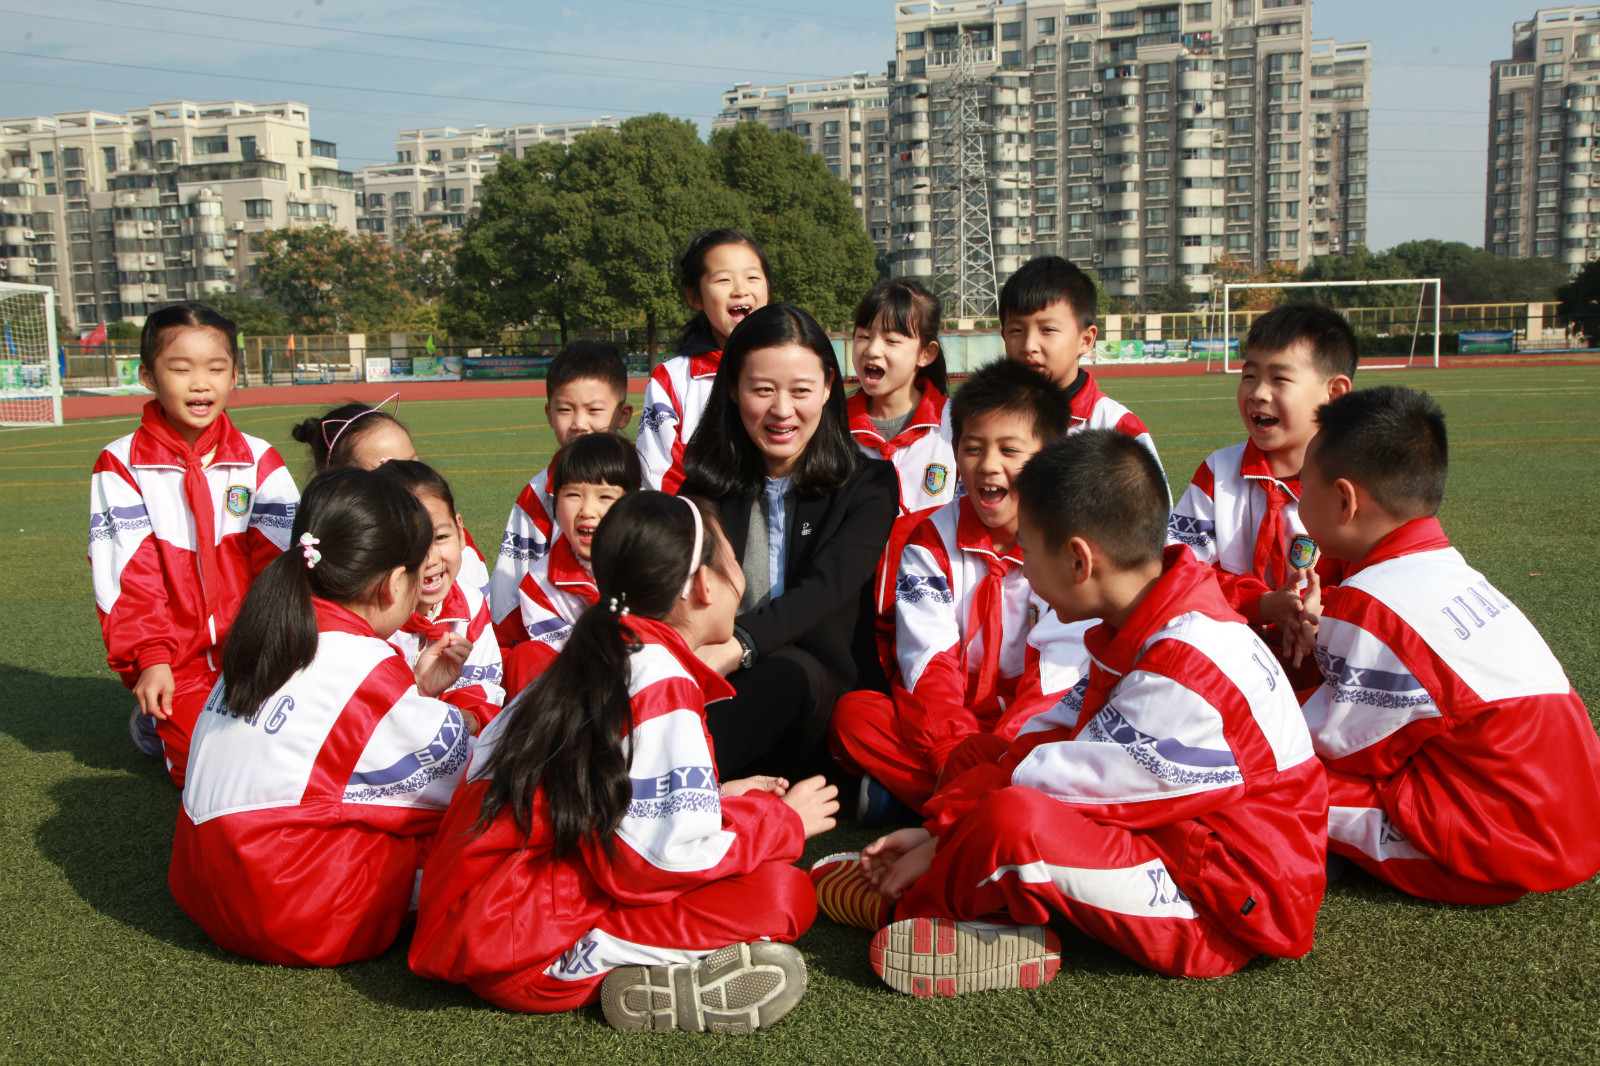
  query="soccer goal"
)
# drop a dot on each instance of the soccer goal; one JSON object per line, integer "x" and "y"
{"x": 30, "y": 379}
{"x": 1229, "y": 366}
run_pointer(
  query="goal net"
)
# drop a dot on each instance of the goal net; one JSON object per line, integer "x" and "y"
{"x": 1409, "y": 332}
{"x": 30, "y": 379}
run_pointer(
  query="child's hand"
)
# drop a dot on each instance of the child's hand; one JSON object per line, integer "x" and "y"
{"x": 907, "y": 869}
{"x": 439, "y": 665}
{"x": 723, "y": 658}
{"x": 1282, "y": 607}
{"x": 1304, "y": 641}
{"x": 154, "y": 690}
{"x": 816, "y": 802}
{"x": 776, "y": 785}
{"x": 879, "y": 856}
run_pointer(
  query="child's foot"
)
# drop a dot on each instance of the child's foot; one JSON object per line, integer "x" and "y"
{"x": 944, "y": 957}
{"x": 735, "y": 989}
{"x": 143, "y": 730}
{"x": 845, "y": 894}
{"x": 877, "y": 807}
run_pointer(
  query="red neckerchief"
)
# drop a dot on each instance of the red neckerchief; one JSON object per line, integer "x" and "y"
{"x": 924, "y": 417}
{"x": 332, "y": 618}
{"x": 567, "y": 572}
{"x": 650, "y": 631}
{"x": 452, "y": 609}
{"x": 1417, "y": 535}
{"x": 1185, "y": 585}
{"x": 1271, "y": 561}
{"x": 196, "y": 492}
{"x": 988, "y": 598}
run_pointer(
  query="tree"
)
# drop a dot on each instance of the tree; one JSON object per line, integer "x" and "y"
{"x": 253, "y": 315}
{"x": 1579, "y": 301}
{"x": 1174, "y": 297}
{"x": 328, "y": 280}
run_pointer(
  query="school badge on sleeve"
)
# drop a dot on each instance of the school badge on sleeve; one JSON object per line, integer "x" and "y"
{"x": 238, "y": 502}
{"x": 933, "y": 478}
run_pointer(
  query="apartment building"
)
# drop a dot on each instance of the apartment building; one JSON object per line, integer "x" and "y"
{"x": 123, "y": 213}
{"x": 1143, "y": 139}
{"x": 438, "y": 173}
{"x": 844, "y": 120}
{"x": 1543, "y": 154}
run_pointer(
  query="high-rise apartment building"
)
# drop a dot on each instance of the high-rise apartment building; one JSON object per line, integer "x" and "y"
{"x": 1143, "y": 139}
{"x": 438, "y": 173}
{"x": 122, "y": 213}
{"x": 844, "y": 120}
{"x": 1542, "y": 144}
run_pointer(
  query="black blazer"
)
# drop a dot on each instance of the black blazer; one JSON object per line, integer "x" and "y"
{"x": 835, "y": 541}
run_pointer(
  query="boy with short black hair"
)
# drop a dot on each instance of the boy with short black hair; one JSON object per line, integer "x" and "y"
{"x": 962, "y": 607}
{"x": 586, "y": 390}
{"x": 1462, "y": 766}
{"x": 1171, "y": 806}
{"x": 1241, "y": 508}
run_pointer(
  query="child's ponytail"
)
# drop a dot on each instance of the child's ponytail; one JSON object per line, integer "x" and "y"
{"x": 565, "y": 732}
{"x": 351, "y": 530}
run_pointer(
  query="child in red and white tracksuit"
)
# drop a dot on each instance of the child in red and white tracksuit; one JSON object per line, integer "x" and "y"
{"x": 587, "y": 390}
{"x": 447, "y": 604}
{"x": 166, "y": 596}
{"x": 1462, "y": 765}
{"x": 314, "y": 790}
{"x": 690, "y": 864}
{"x": 1171, "y": 806}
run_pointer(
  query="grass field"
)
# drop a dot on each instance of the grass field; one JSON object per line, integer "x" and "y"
{"x": 98, "y": 964}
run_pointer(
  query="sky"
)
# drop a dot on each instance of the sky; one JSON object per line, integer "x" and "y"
{"x": 368, "y": 68}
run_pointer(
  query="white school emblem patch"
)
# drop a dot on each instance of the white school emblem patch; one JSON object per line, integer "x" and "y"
{"x": 238, "y": 501}
{"x": 934, "y": 477}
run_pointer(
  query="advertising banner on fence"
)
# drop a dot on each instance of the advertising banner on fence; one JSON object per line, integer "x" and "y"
{"x": 503, "y": 367}
{"x": 1213, "y": 346}
{"x": 1486, "y": 342}
{"x": 413, "y": 368}
{"x": 1140, "y": 351}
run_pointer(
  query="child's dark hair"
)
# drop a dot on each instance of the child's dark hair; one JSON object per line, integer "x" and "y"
{"x": 582, "y": 359}
{"x": 905, "y": 306}
{"x": 1040, "y": 282}
{"x": 419, "y": 478}
{"x": 723, "y": 460}
{"x": 597, "y": 459}
{"x": 1390, "y": 441}
{"x": 366, "y": 524}
{"x": 345, "y": 425}
{"x": 565, "y": 732}
{"x": 153, "y": 338}
{"x": 1008, "y": 386}
{"x": 1333, "y": 343}
{"x": 1100, "y": 485}
{"x": 692, "y": 267}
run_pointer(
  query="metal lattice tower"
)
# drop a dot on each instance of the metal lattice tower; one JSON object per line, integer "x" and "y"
{"x": 963, "y": 245}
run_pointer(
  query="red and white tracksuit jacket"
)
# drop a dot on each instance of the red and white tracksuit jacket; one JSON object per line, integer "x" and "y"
{"x": 554, "y": 592}
{"x": 1093, "y": 409}
{"x": 530, "y": 528}
{"x": 305, "y": 824}
{"x": 674, "y": 400}
{"x": 149, "y": 590}
{"x": 962, "y": 614}
{"x": 1171, "y": 806}
{"x": 922, "y": 453}
{"x": 688, "y": 870}
{"x": 480, "y": 688}
{"x": 1462, "y": 765}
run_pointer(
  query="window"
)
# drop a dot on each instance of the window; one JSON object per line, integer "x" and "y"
{"x": 1080, "y": 52}
{"x": 210, "y": 145}
{"x": 1238, "y": 242}
{"x": 1044, "y": 168}
{"x": 1156, "y": 216}
{"x": 1083, "y": 20}
{"x": 1199, "y": 12}
{"x": 258, "y": 209}
{"x": 1241, "y": 126}
{"x": 1158, "y": 71}
{"x": 458, "y": 196}
{"x": 1012, "y": 58}
{"x": 1156, "y": 245}
{"x": 1240, "y": 183}
{"x": 917, "y": 68}
{"x": 402, "y": 199}
{"x": 1045, "y": 26}
{"x": 1158, "y": 131}
{"x": 375, "y": 199}
{"x": 1550, "y": 72}
{"x": 47, "y": 165}
{"x": 1044, "y": 53}
{"x": 830, "y": 129}
{"x": 1044, "y": 111}
{"x": 914, "y": 40}
{"x": 1080, "y": 164}
{"x": 435, "y": 155}
{"x": 1239, "y": 155}
{"x": 1122, "y": 20}
{"x": 1552, "y": 46}
{"x": 1011, "y": 31}
{"x": 801, "y": 129}
{"x": 1044, "y": 139}
{"x": 1080, "y": 136}
{"x": 1157, "y": 101}
{"x": 1241, "y": 9}
{"x": 1158, "y": 187}
{"x": 877, "y": 127}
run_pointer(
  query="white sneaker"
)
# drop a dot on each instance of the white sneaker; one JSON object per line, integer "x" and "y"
{"x": 735, "y": 989}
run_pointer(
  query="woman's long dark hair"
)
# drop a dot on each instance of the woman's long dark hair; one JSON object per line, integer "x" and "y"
{"x": 723, "y": 459}
{"x": 905, "y": 306}
{"x": 367, "y": 525}
{"x": 692, "y": 267}
{"x": 565, "y": 731}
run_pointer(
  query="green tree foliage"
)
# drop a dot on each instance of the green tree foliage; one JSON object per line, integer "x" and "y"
{"x": 254, "y": 315}
{"x": 1467, "y": 275}
{"x": 1579, "y": 301}
{"x": 328, "y": 280}
{"x": 1174, "y": 297}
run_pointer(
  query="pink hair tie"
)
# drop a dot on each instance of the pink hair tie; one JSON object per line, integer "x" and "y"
{"x": 308, "y": 548}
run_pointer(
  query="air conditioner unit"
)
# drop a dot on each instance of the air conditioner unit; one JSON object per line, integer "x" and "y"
{"x": 32, "y": 261}
{"x": 1098, "y": 116}
{"x": 1098, "y": 257}
{"x": 227, "y": 253}
{"x": 232, "y": 273}
{"x": 147, "y": 227}
{"x": 149, "y": 260}
{"x": 1322, "y": 201}
{"x": 232, "y": 244}
{"x": 186, "y": 255}
{"x": 1219, "y": 78}
{"x": 230, "y": 287}
{"x": 1098, "y": 87}
{"x": 1322, "y": 127}
{"x": 1096, "y": 173}
{"x": 1096, "y": 202}
{"x": 29, "y": 235}
{"x": 1098, "y": 145}
{"x": 238, "y": 227}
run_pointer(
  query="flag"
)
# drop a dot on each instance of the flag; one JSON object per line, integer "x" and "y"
{"x": 239, "y": 341}
{"x": 288, "y": 349}
{"x": 430, "y": 345}
{"x": 94, "y": 338}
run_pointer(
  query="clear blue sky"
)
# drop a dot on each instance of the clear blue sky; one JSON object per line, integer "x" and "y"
{"x": 505, "y": 62}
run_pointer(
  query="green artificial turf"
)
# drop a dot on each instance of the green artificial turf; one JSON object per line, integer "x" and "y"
{"x": 98, "y": 964}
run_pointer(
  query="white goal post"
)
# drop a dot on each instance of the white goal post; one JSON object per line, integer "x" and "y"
{"x": 30, "y": 380}
{"x": 1438, "y": 293}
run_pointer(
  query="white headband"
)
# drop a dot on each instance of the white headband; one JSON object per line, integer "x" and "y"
{"x": 699, "y": 544}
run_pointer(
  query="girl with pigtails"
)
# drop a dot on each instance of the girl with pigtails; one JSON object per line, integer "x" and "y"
{"x": 594, "y": 854}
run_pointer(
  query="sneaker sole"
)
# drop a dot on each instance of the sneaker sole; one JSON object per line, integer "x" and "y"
{"x": 943, "y": 957}
{"x": 735, "y": 990}
{"x": 845, "y": 895}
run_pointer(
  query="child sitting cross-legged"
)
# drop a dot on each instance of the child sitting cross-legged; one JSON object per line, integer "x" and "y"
{"x": 1462, "y": 766}
{"x": 962, "y": 606}
{"x": 1170, "y": 806}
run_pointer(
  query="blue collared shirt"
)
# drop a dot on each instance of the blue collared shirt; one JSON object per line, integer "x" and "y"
{"x": 777, "y": 530}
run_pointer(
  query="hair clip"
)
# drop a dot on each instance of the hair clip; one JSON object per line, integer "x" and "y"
{"x": 618, "y": 605}
{"x": 344, "y": 423}
{"x": 308, "y": 548}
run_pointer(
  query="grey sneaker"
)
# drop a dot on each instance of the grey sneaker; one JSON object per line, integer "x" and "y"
{"x": 944, "y": 957}
{"x": 736, "y": 989}
{"x": 143, "y": 730}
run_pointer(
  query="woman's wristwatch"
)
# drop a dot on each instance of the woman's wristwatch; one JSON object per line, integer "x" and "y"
{"x": 748, "y": 657}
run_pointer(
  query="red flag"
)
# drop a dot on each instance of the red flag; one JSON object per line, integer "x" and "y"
{"x": 94, "y": 338}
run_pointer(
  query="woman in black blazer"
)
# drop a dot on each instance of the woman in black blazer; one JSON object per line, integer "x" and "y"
{"x": 808, "y": 517}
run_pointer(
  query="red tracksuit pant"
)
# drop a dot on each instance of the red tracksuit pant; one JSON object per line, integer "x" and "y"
{"x": 863, "y": 739}
{"x": 193, "y": 683}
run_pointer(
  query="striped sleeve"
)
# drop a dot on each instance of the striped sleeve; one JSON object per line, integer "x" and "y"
{"x": 130, "y": 588}
{"x": 660, "y": 449}
{"x": 526, "y": 540}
